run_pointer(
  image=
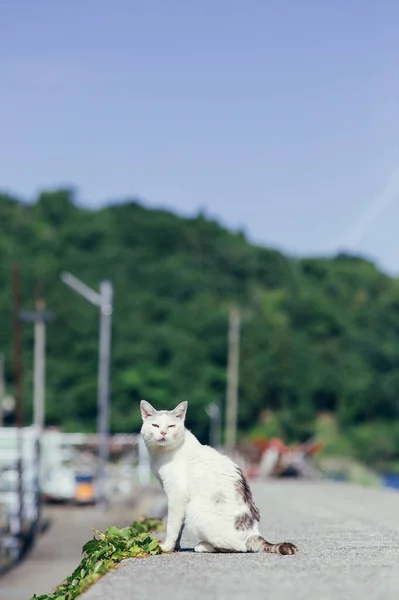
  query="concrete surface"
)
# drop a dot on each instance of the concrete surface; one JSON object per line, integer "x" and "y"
{"x": 57, "y": 552}
{"x": 348, "y": 540}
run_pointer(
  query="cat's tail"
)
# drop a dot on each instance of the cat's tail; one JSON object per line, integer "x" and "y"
{"x": 256, "y": 543}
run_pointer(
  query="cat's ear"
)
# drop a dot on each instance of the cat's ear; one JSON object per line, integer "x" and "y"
{"x": 146, "y": 409}
{"x": 180, "y": 410}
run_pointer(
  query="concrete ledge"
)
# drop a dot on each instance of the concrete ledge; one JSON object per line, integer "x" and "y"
{"x": 348, "y": 540}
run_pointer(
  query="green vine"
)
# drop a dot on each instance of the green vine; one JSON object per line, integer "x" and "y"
{"x": 104, "y": 552}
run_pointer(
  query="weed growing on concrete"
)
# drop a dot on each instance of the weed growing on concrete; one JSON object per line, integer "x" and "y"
{"x": 104, "y": 552}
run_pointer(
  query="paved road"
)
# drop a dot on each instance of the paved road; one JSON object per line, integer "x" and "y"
{"x": 58, "y": 552}
{"x": 348, "y": 540}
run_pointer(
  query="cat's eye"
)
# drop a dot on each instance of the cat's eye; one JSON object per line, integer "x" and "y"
{"x": 169, "y": 426}
{"x": 155, "y": 425}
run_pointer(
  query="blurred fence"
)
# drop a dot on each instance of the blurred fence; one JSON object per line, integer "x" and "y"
{"x": 19, "y": 492}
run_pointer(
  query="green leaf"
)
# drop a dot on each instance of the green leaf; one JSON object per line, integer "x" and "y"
{"x": 90, "y": 546}
{"x": 104, "y": 553}
{"x": 126, "y": 532}
{"x": 112, "y": 531}
{"x": 98, "y": 566}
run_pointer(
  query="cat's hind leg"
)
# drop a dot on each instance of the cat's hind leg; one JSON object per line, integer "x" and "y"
{"x": 204, "y": 547}
{"x": 257, "y": 543}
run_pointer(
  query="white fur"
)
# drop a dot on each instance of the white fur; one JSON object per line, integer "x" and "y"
{"x": 200, "y": 483}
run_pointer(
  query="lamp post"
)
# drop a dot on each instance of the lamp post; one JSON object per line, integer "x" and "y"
{"x": 104, "y": 301}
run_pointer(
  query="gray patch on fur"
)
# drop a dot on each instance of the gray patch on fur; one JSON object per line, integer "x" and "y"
{"x": 243, "y": 522}
{"x": 219, "y": 497}
{"x": 245, "y": 493}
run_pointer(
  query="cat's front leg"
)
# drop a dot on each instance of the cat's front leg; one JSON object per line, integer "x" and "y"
{"x": 175, "y": 522}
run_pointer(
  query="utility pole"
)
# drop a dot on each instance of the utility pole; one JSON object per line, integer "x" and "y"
{"x": 39, "y": 317}
{"x": 106, "y": 293}
{"x": 17, "y": 336}
{"x": 39, "y": 365}
{"x": 2, "y": 387}
{"x": 232, "y": 377}
{"x": 104, "y": 300}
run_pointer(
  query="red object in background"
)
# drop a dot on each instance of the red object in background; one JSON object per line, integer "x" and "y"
{"x": 252, "y": 471}
{"x": 278, "y": 445}
{"x": 315, "y": 448}
{"x": 260, "y": 444}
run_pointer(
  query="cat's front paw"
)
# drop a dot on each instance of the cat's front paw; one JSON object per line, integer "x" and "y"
{"x": 167, "y": 547}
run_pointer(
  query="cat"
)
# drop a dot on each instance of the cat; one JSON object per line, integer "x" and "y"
{"x": 207, "y": 492}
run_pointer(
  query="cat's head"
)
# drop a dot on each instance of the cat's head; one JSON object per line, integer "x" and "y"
{"x": 163, "y": 428}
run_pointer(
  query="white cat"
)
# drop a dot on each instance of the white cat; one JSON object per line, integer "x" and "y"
{"x": 206, "y": 491}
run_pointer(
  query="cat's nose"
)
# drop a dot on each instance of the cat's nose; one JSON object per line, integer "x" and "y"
{"x": 163, "y": 432}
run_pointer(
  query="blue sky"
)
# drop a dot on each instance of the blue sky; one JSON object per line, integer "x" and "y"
{"x": 279, "y": 117}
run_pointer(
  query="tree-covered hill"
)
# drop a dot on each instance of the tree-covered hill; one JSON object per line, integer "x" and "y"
{"x": 318, "y": 335}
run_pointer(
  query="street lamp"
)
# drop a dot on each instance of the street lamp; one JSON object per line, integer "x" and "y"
{"x": 103, "y": 301}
